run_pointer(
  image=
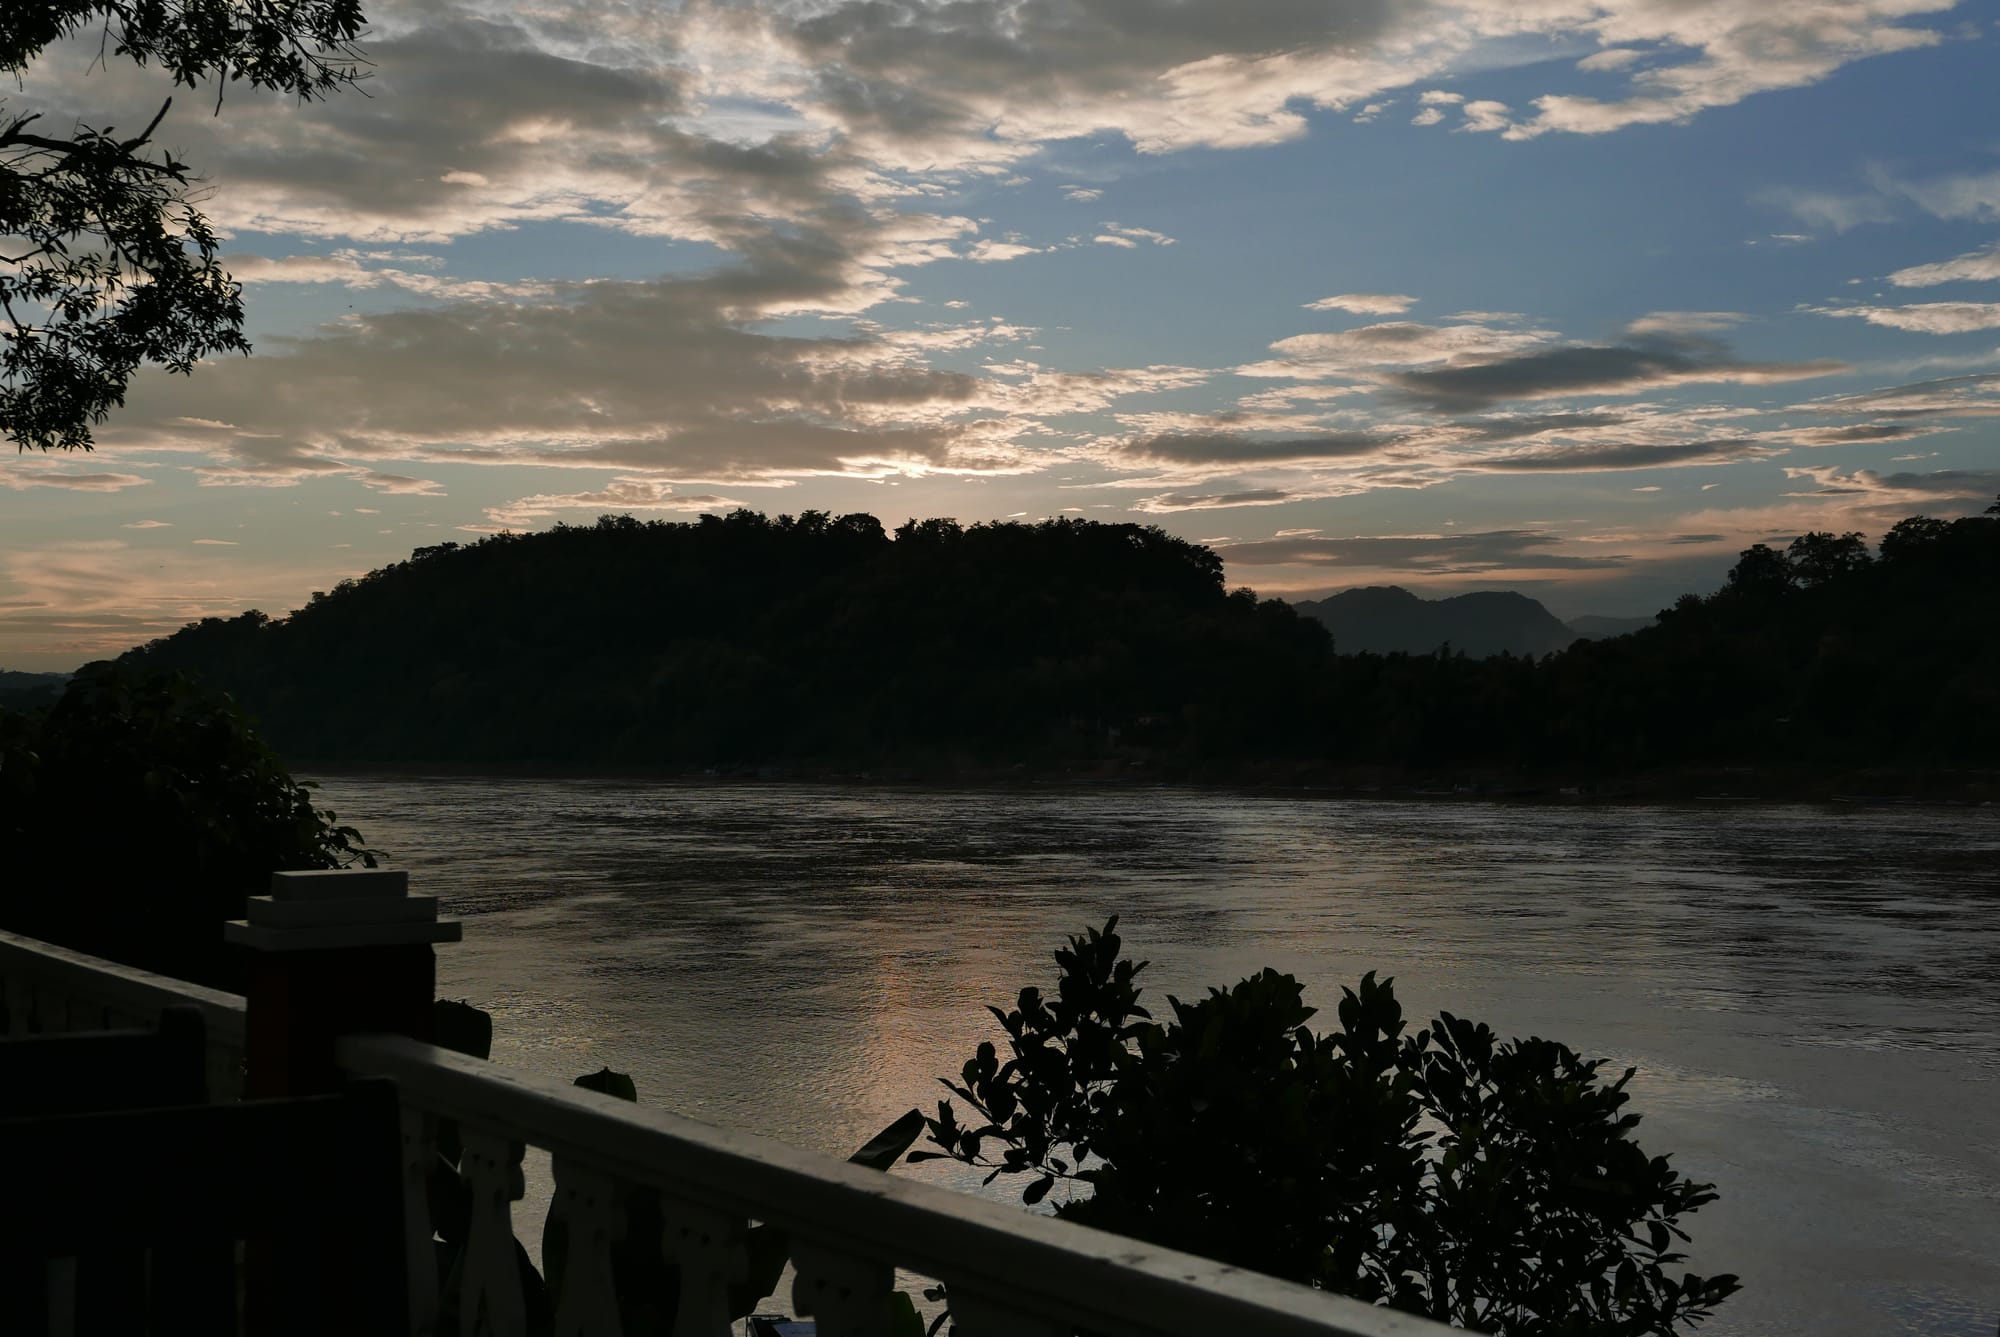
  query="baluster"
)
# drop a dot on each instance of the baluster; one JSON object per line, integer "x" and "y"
{"x": 20, "y": 1004}
{"x": 51, "y": 1012}
{"x": 588, "y": 1200}
{"x": 974, "y": 1315}
{"x": 847, "y": 1296}
{"x": 419, "y": 1145}
{"x": 490, "y": 1300}
{"x": 708, "y": 1246}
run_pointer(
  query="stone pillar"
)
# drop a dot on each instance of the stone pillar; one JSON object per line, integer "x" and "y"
{"x": 335, "y": 952}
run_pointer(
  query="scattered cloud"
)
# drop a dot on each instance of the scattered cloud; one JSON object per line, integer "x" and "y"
{"x": 1925, "y": 317}
{"x": 1365, "y": 303}
{"x": 621, "y": 494}
{"x": 1899, "y": 488}
{"x": 1168, "y": 502}
{"x": 1971, "y": 396}
{"x": 1972, "y": 267}
{"x": 1399, "y": 343}
{"x": 20, "y": 478}
{"x": 147, "y": 524}
{"x": 1674, "y": 323}
{"x": 1584, "y": 369}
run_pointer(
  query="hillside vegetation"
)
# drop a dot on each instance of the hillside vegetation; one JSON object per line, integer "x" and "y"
{"x": 743, "y": 640}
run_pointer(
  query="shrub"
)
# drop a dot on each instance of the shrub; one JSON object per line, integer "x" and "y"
{"x": 1487, "y": 1184}
{"x": 139, "y": 810}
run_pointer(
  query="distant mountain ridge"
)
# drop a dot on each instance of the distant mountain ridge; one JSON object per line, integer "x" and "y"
{"x": 1388, "y": 619}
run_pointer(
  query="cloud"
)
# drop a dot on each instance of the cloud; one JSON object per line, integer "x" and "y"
{"x": 1598, "y": 458}
{"x": 1391, "y": 343}
{"x": 1168, "y": 502}
{"x": 20, "y": 478}
{"x": 347, "y": 268}
{"x": 1132, "y": 234}
{"x": 1716, "y": 56}
{"x": 213, "y": 543}
{"x": 1973, "y": 396}
{"x": 147, "y": 524}
{"x": 1675, "y": 323}
{"x": 988, "y": 252}
{"x": 1854, "y": 434}
{"x": 1968, "y": 195}
{"x": 1831, "y": 211}
{"x": 1437, "y": 554}
{"x": 1082, "y": 194}
{"x": 1972, "y": 267}
{"x": 1924, "y": 317}
{"x": 1586, "y": 369}
{"x": 622, "y": 494}
{"x": 1365, "y": 303}
{"x": 1898, "y": 488}
{"x": 1225, "y": 447}
{"x": 1484, "y": 117}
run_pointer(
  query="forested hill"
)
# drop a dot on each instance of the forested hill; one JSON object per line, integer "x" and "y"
{"x": 743, "y": 640}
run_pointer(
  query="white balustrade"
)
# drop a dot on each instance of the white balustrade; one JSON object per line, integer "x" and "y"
{"x": 1008, "y": 1273}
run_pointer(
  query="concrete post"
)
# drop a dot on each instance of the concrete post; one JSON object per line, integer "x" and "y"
{"x": 334, "y": 952}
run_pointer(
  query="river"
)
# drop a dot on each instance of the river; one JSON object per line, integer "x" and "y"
{"x": 1811, "y": 996}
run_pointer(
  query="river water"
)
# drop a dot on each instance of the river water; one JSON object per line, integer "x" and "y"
{"x": 1811, "y": 996}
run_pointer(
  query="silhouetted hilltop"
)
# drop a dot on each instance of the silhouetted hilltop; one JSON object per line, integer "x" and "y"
{"x": 1388, "y": 619}
{"x": 1596, "y": 627}
{"x": 743, "y": 640}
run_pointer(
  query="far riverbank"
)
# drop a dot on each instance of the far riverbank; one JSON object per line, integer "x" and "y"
{"x": 1876, "y": 787}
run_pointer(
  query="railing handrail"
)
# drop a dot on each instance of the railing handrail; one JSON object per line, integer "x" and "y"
{"x": 1057, "y": 1270}
{"x": 125, "y": 989}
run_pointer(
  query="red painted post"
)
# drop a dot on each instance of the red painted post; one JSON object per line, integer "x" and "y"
{"x": 334, "y": 952}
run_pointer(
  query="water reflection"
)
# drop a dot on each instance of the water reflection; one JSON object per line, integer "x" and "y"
{"x": 1812, "y": 997}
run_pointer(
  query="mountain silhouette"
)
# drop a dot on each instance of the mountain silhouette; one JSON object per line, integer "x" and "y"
{"x": 1387, "y": 619}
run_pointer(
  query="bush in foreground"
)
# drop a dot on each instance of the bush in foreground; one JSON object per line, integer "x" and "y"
{"x": 1486, "y": 1184}
{"x": 138, "y": 811}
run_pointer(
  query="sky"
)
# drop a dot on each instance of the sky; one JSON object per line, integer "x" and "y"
{"x": 1574, "y": 297}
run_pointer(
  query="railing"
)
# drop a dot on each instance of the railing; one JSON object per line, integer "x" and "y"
{"x": 1008, "y": 1273}
{"x": 47, "y": 989}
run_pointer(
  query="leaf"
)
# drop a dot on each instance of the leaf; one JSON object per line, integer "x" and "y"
{"x": 462, "y": 1028}
{"x": 606, "y": 1082}
{"x": 882, "y": 1150}
{"x": 903, "y": 1318}
{"x": 1038, "y": 1190}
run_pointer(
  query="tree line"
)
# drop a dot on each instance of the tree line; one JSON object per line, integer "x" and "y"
{"x": 820, "y": 640}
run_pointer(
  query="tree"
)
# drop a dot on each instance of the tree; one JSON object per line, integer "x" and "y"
{"x": 1491, "y": 1185}
{"x": 1760, "y": 572}
{"x": 139, "y": 811}
{"x": 1819, "y": 558}
{"x": 107, "y": 264}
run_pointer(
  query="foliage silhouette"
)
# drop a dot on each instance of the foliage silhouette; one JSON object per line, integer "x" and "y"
{"x": 742, "y": 640}
{"x": 1491, "y": 1185}
{"x": 139, "y": 811}
{"x": 107, "y": 263}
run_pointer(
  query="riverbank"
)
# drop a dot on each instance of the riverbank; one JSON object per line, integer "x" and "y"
{"x": 1720, "y": 785}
